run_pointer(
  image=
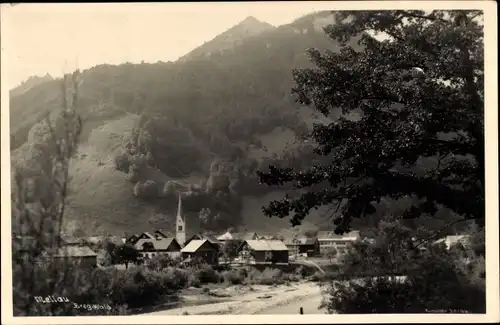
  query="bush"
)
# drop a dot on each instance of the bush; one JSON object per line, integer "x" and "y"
{"x": 162, "y": 261}
{"x": 233, "y": 276}
{"x": 140, "y": 287}
{"x": 207, "y": 274}
{"x": 79, "y": 285}
{"x": 437, "y": 279}
{"x": 267, "y": 277}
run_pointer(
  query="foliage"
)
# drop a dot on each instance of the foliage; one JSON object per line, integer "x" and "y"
{"x": 140, "y": 287}
{"x": 163, "y": 261}
{"x": 207, "y": 274}
{"x": 412, "y": 122}
{"x": 148, "y": 189}
{"x": 268, "y": 276}
{"x": 393, "y": 275}
{"x": 234, "y": 276}
{"x": 39, "y": 197}
{"x": 229, "y": 249}
{"x": 128, "y": 254}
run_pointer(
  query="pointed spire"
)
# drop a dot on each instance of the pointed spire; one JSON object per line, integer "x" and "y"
{"x": 179, "y": 207}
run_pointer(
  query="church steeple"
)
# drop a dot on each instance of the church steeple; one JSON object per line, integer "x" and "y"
{"x": 179, "y": 206}
{"x": 180, "y": 224}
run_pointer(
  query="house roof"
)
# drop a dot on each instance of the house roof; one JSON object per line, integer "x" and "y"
{"x": 266, "y": 245}
{"x": 210, "y": 238}
{"x": 158, "y": 244}
{"x": 74, "y": 251}
{"x": 300, "y": 241}
{"x": 162, "y": 233}
{"x": 148, "y": 235}
{"x": 194, "y": 245}
{"x": 238, "y": 236}
{"x": 330, "y": 235}
{"x": 269, "y": 236}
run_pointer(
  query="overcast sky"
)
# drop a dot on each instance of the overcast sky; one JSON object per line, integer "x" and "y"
{"x": 40, "y": 38}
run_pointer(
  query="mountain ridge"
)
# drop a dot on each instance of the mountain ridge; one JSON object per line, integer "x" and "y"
{"x": 232, "y": 109}
{"x": 248, "y": 27}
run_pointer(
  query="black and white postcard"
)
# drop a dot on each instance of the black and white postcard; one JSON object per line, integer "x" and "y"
{"x": 289, "y": 162}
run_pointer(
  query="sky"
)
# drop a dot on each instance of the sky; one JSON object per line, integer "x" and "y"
{"x": 56, "y": 38}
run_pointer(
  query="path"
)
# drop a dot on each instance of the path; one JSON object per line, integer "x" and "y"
{"x": 310, "y": 305}
{"x": 281, "y": 300}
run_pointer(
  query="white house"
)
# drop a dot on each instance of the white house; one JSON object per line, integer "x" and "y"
{"x": 328, "y": 240}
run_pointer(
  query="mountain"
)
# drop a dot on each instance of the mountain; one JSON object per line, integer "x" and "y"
{"x": 234, "y": 36}
{"x": 30, "y": 83}
{"x": 201, "y": 125}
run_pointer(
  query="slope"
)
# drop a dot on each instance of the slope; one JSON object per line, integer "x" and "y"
{"x": 234, "y": 36}
{"x": 230, "y": 107}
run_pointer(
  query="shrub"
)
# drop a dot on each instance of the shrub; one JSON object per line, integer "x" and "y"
{"x": 178, "y": 278}
{"x": 233, "y": 277}
{"x": 140, "y": 286}
{"x": 437, "y": 279}
{"x": 267, "y": 277}
{"x": 79, "y": 285}
{"x": 206, "y": 274}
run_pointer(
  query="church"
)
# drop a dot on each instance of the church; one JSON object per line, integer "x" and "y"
{"x": 185, "y": 226}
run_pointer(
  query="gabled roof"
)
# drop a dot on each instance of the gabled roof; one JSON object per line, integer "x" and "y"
{"x": 158, "y": 244}
{"x": 269, "y": 237}
{"x": 266, "y": 245}
{"x": 330, "y": 235}
{"x": 196, "y": 244}
{"x": 210, "y": 238}
{"x": 148, "y": 235}
{"x": 161, "y": 233}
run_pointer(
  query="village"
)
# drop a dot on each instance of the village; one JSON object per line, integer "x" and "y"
{"x": 229, "y": 248}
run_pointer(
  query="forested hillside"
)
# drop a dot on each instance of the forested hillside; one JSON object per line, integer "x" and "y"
{"x": 203, "y": 125}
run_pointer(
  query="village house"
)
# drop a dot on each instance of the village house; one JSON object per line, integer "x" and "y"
{"x": 201, "y": 236}
{"x": 82, "y": 256}
{"x": 149, "y": 248}
{"x": 303, "y": 245}
{"x": 328, "y": 240}
{"x": 132, "y": 239}
{"x": 263, "y": 252}
{"x": 157, "y": 234}
{"x": 202, "y": 250}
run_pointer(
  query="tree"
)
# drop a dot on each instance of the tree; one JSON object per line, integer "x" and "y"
{"x": 418, "y": 94}
{"x": 331, "y": 253}
{"x": 39, "y": 204}
{"x": 229, "y": 249}
{"x": 430, "y": 278}
{"x": 128, "y": 254}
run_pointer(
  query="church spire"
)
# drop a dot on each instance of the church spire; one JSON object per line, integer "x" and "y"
{"x": 179, "y": 206}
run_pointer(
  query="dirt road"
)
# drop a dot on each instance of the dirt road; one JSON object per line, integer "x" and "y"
{"x": 262, "y": 300}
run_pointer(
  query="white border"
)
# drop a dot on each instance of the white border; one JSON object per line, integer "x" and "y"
{"x": 491, "y": 144}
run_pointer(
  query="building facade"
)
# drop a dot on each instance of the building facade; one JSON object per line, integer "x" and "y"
{"x": 263, "y": 252}
{"x": 201, "y": 250}
{"x": 149, "y": 248}
{"x": 303, "y": 245}
{"x": 328, "y": 241}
